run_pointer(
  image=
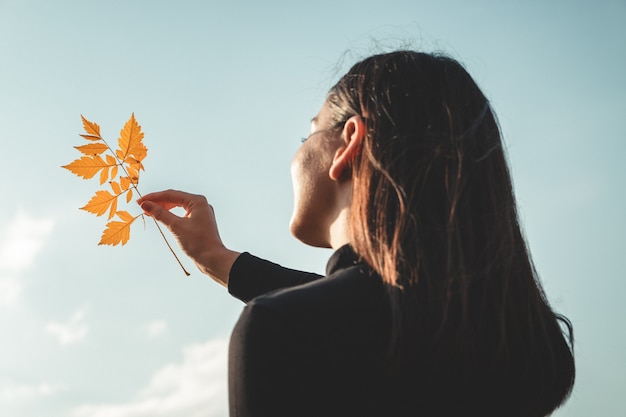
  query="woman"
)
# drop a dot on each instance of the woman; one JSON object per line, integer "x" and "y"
{"x": 431, "y": 305}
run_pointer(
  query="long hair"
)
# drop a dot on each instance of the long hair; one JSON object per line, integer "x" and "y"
{"x": 434, "y": 214}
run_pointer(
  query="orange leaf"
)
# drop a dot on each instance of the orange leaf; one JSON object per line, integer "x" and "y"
{"x": 87, "y": 166}
{"x": 130, "y": 139}
{"x": 100, "y": 203}
{"x": 114, "y": 172}
{"x": 92, "y": 129}
{"x": 104, "y": 175}
{"x": 115, "y": 186}
{"x": 124, "y": 215}
{"x": 133, "y": 175}
{"x": 92, "y": 148}
{"x": 91, "y": 137}
{"x": 113, "y": 208}
{"x": 129, "y": 196}
{"x": 124, "y": 183}
{"x": 117, "y": 232}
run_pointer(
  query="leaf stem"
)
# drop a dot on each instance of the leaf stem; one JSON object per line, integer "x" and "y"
{"x": 121, "y": 164}
{"x": 170, "y": 247}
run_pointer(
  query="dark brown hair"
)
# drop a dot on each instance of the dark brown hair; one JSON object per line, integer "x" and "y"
{"x": 434, "y": 214}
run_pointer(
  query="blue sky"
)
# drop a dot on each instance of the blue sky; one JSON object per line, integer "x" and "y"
{"x": 224, "y": 91}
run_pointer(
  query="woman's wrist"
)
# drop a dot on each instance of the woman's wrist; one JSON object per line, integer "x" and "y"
{"x": 217, "y": 264}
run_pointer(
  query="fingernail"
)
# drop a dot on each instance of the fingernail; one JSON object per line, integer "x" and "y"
{"x": 146, "y": 206}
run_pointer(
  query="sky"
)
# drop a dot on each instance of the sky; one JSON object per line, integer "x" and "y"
{"x": 224, "y": 90}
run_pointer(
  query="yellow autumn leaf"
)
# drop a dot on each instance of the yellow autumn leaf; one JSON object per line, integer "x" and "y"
{"x": 130, "y": 139}
{"x": 92, "y": 148}
{"x": 115, "y": 186}
{"x": 87, "y": 166}
{"x": 91, "y": 128}
{"x": 133, "y": 175}
{"x": 91, "y": 137}
{"x": 104, "y": 174}
{"x": 117, "y": 232}
{"x": 124, "y": 183}
{"x": 100, "y": 203}
{"x": 125, "y": 216}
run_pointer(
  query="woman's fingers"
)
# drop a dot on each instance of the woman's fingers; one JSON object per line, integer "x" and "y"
{"x": 160, "y": 212}
{"x": 170, "y": 199}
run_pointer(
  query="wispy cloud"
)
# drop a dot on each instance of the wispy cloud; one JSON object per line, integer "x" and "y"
{"x": 156, "y": 328}
{"x": 10, "y": 289}
{"x": 27, "y": 392}
{"x": 19, "y": 246}
{"x": 71, "y": 332}
{"x": 195, "y": 387}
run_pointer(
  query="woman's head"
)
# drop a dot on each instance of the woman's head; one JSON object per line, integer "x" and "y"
{"x": 431, "y": 164}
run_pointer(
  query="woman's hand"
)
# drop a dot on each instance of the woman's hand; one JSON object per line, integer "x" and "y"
{"x": 196, "y": 232}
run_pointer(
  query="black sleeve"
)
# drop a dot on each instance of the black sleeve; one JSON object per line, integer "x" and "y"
{"x": 251, "y": 276}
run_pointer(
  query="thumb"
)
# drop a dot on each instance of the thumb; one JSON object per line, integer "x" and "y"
{"x": 159, "y": 213}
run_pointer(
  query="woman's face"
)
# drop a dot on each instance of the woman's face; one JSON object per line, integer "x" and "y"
{"x": 315, "y": 193}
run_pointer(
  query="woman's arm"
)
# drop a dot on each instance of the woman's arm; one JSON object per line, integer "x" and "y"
{"x": 198, "y": 236}
{"x": 251, "y": 276}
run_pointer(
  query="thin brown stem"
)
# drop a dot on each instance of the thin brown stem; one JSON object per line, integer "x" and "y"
{"x": 170, "y": 247}
{"x": 134, "y": 185}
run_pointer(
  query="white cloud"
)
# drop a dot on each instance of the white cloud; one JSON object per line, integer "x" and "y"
{"x": 27, "y": 392}
{"x": 73, "y": 331}
{"x": 24, "y": 238}
{"x": 195, "y": 387}
{"x": 10, "y": 289}
{"x": 156, "y": 328}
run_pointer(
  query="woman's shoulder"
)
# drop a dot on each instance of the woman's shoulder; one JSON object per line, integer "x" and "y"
{"x": 347, "y": 307}
{"x": 355, "y": 288}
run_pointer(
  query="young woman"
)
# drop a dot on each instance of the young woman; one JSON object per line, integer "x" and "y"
{"x": 431, "y": 305}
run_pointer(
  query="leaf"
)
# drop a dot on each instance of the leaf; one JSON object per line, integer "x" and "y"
{"x": 100, "y": 203}
{"x": 113, "y": 208}
{"x": 124, "y": 183}
{"x": 130, "y": 140}
{"x": 129, "y": 196}
{"x": 125, "y": 216}
{"x": 87, "y": 166}
{"x": 92, "y": 129}
{"x": 117, "y": 232}
{"x": 133, "y": 175}
{"x": 92, "y": 148}
{"x": 91, "y": 137}
{"x": 104, "y": 175}
{"x": 115, "y": 186}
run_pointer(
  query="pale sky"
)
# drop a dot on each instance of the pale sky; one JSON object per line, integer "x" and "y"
{"x": 224, "y": 90}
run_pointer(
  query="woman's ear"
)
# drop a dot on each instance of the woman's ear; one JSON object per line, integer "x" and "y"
{"x": 352, "y": 138}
